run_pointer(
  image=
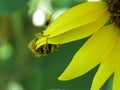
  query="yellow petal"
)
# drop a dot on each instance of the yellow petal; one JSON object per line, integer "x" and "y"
{"x": 116, "y": 80}
{"x": 80, "y": 32}
{"x": 116, "y": 62}
{"x": 108, "y": 66}
{"x": 104, "y": 72}
{"x": 77, "y": 16}
{"x": 91, "y": 53}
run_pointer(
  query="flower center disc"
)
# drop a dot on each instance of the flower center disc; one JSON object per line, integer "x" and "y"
{"x": 114, "y": 8}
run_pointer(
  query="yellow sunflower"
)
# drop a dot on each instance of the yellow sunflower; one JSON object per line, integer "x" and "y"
{"x": 103, "y": 47}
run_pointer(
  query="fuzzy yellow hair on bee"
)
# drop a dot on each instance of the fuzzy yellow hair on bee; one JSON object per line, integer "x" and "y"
{"x": 43, "y": 49}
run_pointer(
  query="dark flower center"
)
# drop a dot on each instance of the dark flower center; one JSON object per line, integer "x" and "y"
{"x": 114, "y": 8}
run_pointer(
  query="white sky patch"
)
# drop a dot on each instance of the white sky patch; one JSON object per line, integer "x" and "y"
{"x": 38, "y": 18}
{"x": 93, "y": 0}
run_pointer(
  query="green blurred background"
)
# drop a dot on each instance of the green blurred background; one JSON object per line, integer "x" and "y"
{"x": 19, "y": 68}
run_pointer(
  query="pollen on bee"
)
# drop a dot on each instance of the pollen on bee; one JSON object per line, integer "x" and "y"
{"x": 44, "y": 49}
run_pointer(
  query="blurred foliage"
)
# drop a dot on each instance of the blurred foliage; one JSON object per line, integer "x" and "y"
{"x": 64, "y": 3}
{"x": 9, "y": 6}
{"x": 19, "y": 68}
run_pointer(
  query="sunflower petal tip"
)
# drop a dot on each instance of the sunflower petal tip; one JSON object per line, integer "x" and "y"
{"x": 63, "y": 78}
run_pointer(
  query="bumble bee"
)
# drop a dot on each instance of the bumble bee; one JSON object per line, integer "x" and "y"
{"x": 44, "y": 49}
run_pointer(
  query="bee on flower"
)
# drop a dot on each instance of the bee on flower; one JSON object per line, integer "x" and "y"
{"x": 103, "y": 47}
{"x": 44, "y": 49}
